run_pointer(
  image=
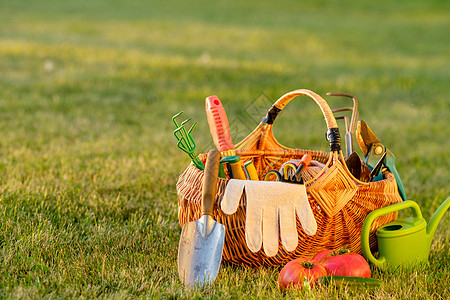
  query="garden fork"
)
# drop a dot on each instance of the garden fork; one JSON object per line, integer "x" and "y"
{"x": 185, "y": 140}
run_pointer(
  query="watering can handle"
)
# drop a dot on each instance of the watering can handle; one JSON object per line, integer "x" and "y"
{"x": 365, "y": 232}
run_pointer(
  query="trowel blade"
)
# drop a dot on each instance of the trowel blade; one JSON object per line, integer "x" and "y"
{"x": 200, "y": 251}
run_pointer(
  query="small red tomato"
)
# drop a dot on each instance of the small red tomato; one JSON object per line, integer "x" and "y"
{"x": 343, "y": 263}
{"x": 300, "y": 272}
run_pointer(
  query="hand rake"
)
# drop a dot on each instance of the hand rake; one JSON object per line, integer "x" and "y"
{"x": 185, "y": 140}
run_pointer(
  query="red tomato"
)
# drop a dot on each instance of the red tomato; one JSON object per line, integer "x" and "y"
{"x": 321, "y": 255}
{"x": 343, "y": 263}
{"x": 300, "y": 272}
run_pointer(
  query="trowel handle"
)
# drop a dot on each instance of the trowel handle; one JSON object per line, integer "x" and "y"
{"x": 210, "y": 182}
{"x": 365, "y": 231}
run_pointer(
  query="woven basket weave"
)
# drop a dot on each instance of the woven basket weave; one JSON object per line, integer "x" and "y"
{"x": 339, "y": 201}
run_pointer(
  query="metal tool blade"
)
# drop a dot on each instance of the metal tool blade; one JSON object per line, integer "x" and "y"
{"x": 200, "y": 251}
{"x": 353, "y": 163}
{"x": 201, "y": 242}
{"x": 376, "y": 170}
{"x": 365, "y": 137}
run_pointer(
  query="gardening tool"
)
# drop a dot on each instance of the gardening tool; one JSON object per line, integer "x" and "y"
{"x": 185, "y": 140}
{"x": 353, "y": 163}
{"x": 287, "y": 171}
{"x": 272, "y": 175}
{"x": 218, "y": 126}
{"x": 373, "y": 150}
{"x": 352, "y": 159}
{"x": 250, "y": 170}
{"x": 201, "y": 242}
{"x": 376, "y": 170}
{"x": 303, "y": 164}
{"x": 350, "y": 127}
{"x": 234, "y": 166}
{"x": 404, "y": 242}
{"x": 348, "y": 136}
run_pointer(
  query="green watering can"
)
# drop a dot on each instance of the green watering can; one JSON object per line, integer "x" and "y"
{"x": 404, "y": 242}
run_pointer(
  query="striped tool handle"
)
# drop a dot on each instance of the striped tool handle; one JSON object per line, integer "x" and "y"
{"x": 218, "y": 126}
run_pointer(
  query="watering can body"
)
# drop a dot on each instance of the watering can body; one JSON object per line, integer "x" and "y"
{"x": 404, "y": 242}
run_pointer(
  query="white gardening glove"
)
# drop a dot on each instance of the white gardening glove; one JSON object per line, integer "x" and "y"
{"x": 271, "y": 208}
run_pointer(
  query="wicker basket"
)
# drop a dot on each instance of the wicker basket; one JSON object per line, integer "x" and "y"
{"x": 339, "y": 201}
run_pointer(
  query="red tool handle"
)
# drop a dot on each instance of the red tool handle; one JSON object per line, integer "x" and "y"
{"x": 218, "y": 124}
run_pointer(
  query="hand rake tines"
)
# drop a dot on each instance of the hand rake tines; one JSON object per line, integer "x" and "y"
{"x": 185, "y": 140}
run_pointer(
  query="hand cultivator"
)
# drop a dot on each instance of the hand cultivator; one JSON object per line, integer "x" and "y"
{"x": 185, "y": 140}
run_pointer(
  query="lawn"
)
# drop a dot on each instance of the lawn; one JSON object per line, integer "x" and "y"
{"x": 89, "y": 164}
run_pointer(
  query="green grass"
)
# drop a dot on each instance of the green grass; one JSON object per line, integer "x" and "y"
{"x": 88, "y": 162}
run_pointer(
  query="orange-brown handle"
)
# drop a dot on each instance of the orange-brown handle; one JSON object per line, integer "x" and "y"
{"x": 303, "y": 164}
{"x": 333, "y": 135}
{"x": 211, "y": 173}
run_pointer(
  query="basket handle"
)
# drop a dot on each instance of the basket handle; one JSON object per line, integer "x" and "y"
{"x": 332, "y": 134}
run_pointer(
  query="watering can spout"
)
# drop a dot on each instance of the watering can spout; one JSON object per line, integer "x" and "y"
{"x": 436, "y": 218}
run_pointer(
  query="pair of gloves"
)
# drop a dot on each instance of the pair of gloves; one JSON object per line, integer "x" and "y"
{"x": 271, "y": 212}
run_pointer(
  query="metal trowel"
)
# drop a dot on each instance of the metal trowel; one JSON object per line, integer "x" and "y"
{"x": 201, "y": 242}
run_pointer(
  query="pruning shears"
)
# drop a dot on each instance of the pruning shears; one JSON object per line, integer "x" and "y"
{"x": 272, "y": 175}
{"x": 375, "y": 154}
{"x": 289, "y": 171}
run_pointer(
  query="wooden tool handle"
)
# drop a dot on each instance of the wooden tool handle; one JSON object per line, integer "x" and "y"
{"x": 210, "y": 181}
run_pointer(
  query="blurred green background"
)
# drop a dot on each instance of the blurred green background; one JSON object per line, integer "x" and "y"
{"x": 88, "y": 161}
